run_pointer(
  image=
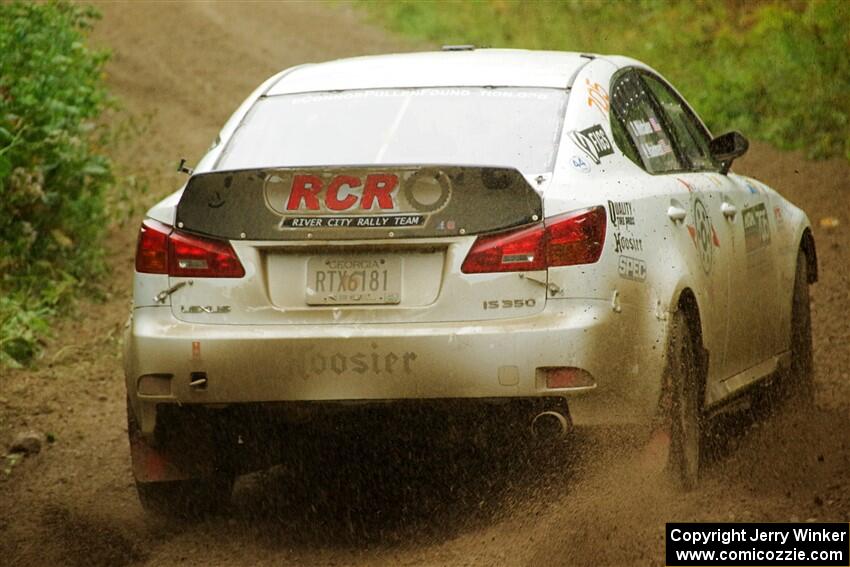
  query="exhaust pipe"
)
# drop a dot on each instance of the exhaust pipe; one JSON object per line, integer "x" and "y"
{"x": 550, "y": 425}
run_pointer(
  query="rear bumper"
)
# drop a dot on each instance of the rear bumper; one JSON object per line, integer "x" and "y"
{"x": 499, "y": 359}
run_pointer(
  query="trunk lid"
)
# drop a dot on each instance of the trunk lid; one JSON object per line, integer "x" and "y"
{"x": 372, "y": 244}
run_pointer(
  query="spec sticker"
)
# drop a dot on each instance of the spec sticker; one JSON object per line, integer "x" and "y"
{"x": 621, "y": 213}
{"x": 756, "y": 228}
{"x": 580, "y": 164}
{"x": 703, "y": 234}
{"x": 632, "y": 268}
{"x": 593, "y": 141}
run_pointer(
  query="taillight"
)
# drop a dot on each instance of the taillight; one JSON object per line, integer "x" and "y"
{"x": 163, "y": 250}
{"x": 152, "y": 248}
{"x": 576, "y": 237}
{"x": 201, "y": 257}
{"x": 515, "y": 251}
{"x": 572, "y": 238}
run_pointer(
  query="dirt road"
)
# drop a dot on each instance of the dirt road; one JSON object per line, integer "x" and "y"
{"x": 186, "y": 66}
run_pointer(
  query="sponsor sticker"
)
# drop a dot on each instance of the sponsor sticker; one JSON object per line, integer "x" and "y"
{"x": 371, "y": 221}
{"x": 372, "y": 200}
{"x": 641, "y": 128}
{"x": 756, "y": 228}
{"x": 579, "y": 164}
{"x": 632, "y": 268}
{"x": 627, "y": 244}
{"x": 703, "y": 234}
{"x": 593, "y": 141}
{"x": 310, "y": 362}
{"x": 620, "y": 213}
{"x": 656, "y": 150}
{"x": 656, "y": 127}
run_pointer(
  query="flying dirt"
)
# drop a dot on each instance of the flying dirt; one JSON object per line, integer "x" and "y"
{"x": 368, "y": 497}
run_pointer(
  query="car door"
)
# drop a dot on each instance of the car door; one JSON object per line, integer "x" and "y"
{"x": 745, "y": 221}
{"x": 686, "y": 204}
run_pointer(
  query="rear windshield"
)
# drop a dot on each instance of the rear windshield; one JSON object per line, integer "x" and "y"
{"x": 508, "y": 127}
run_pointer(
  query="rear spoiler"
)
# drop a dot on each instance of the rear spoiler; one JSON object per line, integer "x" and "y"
{"x": 368, "y": 202}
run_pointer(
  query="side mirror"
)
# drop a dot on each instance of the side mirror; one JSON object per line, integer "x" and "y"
{"x": 725, "y": 148}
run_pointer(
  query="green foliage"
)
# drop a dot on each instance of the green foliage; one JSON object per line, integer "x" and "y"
{"x": 52, "y": 174}
{"x": 776, "y": 70}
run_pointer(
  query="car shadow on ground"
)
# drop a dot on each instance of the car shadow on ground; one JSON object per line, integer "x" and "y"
{"x": 381, "y": 490}
{"x": 357, "y": 491}
{"x": 377, "y": 490}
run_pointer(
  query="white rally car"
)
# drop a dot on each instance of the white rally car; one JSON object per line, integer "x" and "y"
{"x": 553, "y": 233}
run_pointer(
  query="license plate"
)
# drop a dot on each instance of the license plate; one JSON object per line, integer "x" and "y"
{"x": 353, "y": 280}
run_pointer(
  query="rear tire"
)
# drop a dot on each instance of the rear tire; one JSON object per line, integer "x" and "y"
{"x": 685, "y": 412}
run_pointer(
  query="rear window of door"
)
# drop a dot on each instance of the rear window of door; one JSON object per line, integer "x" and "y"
{"x": 690, "y": 135}
{"x": 638, "y": 129}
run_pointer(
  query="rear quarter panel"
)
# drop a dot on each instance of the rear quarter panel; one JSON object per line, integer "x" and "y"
{"x": 648, "y": 260}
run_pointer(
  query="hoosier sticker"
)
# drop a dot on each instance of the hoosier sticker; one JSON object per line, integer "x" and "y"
{"x": 627, "y": 244}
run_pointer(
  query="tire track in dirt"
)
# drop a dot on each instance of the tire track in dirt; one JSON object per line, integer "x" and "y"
{"x": 186, "y": 67}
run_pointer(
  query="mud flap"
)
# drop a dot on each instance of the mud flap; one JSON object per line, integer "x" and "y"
{"x": 151, "y": 464}
{"x": 158, "y": 464}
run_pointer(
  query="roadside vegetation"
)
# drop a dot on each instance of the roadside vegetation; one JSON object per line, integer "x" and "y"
{"x": 53, "y": 173}
{"x": 776, "y": 70}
